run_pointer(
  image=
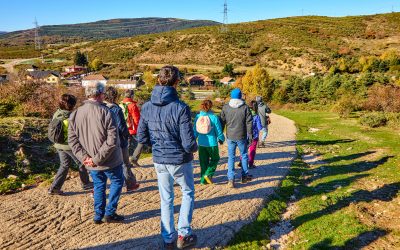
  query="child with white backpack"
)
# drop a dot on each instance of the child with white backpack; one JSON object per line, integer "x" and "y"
{"x": 208, "y": 131}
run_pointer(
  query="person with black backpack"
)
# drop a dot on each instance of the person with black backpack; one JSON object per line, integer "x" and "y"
{"x": 58, "y": 134}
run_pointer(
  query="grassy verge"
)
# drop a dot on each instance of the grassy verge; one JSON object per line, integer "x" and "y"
{"x": 357, "y": 179}
{"x": 256, "y": 234}
{"x": 348, "y": 200}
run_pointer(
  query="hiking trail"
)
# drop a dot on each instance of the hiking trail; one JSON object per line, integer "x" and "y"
{"x": 34, "y": 220}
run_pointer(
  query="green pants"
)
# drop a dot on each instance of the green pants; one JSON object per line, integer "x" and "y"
{"x": 209, "y": 158}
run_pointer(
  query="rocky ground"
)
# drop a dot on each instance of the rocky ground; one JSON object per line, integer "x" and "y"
{"x": 33, "y": 220}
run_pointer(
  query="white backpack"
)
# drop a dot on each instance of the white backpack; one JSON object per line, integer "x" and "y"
{"x": 203, "y": 125}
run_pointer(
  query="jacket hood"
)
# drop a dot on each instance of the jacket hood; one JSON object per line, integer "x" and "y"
{"x": 61, "y": 114}
{"x": 236, "y": 103}
{"x": 163, "y": 95}
{"x": 261, "y": 104}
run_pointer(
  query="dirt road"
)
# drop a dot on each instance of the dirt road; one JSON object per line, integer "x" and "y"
{"x": 33, "y": 220}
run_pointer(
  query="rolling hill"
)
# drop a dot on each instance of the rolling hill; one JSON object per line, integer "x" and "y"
{"x": 295, "y": 44}
{"x": 105, "y": 29}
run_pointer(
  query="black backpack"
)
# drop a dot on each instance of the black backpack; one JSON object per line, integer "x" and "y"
{"x": 55, "y": 131}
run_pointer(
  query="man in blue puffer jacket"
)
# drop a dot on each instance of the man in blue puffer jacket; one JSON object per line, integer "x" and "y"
{"x": 165, "y": 123}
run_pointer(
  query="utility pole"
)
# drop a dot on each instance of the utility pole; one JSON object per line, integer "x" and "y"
{"x": 224, "y": 27}
{"x": 37, "y": 36}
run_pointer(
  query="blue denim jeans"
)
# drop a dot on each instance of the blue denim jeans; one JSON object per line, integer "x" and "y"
{"x": 264, "y": 135}
{"x": 242, "y": 145}
{"x": 183, "y": 175}
{"x": 100, "y": 185}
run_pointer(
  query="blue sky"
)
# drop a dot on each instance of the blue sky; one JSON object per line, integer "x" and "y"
{"x": 20, "y": 14}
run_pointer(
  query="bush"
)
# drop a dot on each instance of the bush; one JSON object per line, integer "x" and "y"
{"x": 383, "y": 98}
{"x": 346, "y": 105}
{"x": 7, "y": 185}
{"x": 373, "y": 120}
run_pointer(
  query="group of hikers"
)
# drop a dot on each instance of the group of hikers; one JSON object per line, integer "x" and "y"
{"x": 97, "y": 137}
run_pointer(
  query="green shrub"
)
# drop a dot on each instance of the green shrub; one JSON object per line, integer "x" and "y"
{"x": 7, "y": 185}
{"x": 373, "y": 120}
{"x": 346, "y": 105}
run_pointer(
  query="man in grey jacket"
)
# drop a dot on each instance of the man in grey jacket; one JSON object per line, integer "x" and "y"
{"x": 239, "y": 132}
{"x": 93, "y": 138}
{"x": 263, "y": 112}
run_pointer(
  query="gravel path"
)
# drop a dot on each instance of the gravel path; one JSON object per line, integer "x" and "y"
{"x": 33, "y": 220}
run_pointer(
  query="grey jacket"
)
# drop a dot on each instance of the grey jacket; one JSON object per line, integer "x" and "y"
{"x": 92, "y": 132}
{"x": 263, "y": 111}
{"x": 238, "y": 119}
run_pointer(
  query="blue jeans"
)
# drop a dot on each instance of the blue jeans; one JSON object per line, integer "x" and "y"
{"x": 242, "y": 145}
{"x": 100, "y": 185}
{"x": 183, "y": 175}
{"x": 264, "y": 132}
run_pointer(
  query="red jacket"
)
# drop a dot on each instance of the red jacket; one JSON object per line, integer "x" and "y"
{"x": 134, "y": 115}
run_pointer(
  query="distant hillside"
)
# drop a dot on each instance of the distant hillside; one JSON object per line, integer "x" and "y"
{"x": 296, "y": 44}
{"x": 106, "y": 29}
{"x": 2, "y": 32}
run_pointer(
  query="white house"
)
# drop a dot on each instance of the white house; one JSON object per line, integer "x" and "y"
{"x": 90, "y": 80}
{"x": 228, "y": 81}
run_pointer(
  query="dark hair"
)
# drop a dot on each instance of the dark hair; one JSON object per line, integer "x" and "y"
{"x": 111, "y": 94}
{"x": 206, "y": 105}
{"x": 129, "y": 93}
{"x": 67, "y": 102}
{"x": 254, "y": 106}
{"x": 168, "y": 75}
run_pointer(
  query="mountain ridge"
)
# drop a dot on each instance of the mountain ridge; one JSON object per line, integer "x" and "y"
{"x": 104, "y": 29}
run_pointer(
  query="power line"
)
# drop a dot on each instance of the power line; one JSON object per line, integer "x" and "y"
{"x": 224, "y": 27}
{"x": 37, "y": 36}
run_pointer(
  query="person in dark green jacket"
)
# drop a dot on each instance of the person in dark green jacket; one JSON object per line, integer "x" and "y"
{"x": 209, "y": 132}
{"x": 66, "y": 105}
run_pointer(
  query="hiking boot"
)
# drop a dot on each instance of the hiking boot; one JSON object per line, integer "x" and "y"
{"x": 98, "y": 222}
{"x": 240, "y": 164}
{"x": 132, "y": 188}
{"x": 55, "y": 192}
{"x": 247, "y": 178}
{"x": 186, "y": 241}
{"x": 231, "y": 184}
{"x": 252, "y": 166}
{"x": 208, "y": 179}
{"x": 134, "y": 162}
{"x": 115, "y": 218}
{"x": 169, "y": 246}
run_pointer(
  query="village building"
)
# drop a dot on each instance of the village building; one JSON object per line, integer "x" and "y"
{"x": 125, "y": 84}
{"x": 228, "y": 80}
{"x": 48, "y": 76}
{"x": 200, "y": 80}
{"x": 91, "y": 80}
{"x": 74, "y": 70}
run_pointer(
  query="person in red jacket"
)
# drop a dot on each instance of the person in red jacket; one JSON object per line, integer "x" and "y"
{"x": 132, "y": 117}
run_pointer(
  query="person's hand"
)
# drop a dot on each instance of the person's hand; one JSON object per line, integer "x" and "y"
{"x": 89, "y": 162}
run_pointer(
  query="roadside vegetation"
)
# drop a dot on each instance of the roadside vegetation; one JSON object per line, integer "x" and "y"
{"x": 346, "y": 198}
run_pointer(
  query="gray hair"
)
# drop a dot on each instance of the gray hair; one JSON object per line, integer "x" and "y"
{"x": 95, "y": 90}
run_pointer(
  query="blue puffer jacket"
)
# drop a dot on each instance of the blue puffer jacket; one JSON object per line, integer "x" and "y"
{"x": 165, "y": 123}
